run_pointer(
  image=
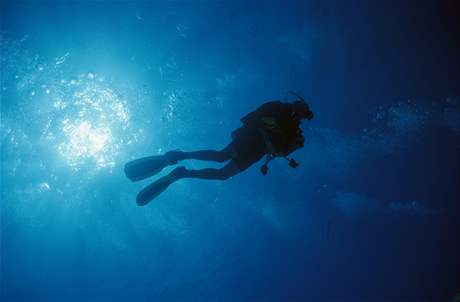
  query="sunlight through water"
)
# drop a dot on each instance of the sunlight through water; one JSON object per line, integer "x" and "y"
{"x": 64, "y": 119}
{"x": 89, "y": 124}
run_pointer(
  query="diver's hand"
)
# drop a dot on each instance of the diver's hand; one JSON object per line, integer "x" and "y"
{"x": 264, "y": 169}
{"x": 268, "y": 144}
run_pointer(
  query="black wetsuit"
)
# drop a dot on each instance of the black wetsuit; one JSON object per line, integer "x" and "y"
{"x": 273, "y": 122}
{"x": 285, "y": 134}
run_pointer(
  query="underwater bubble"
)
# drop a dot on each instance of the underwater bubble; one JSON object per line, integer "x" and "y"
{"x": 44, "y": 186}
{"x": 62, "y": 59}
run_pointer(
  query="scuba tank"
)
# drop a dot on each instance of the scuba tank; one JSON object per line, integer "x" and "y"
{"x": 292, "y": 162}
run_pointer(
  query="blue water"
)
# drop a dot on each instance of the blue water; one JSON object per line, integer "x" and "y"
{"x": 371, "y": 214}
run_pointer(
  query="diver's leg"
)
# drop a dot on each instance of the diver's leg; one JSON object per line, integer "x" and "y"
{"x": 211, "y": 155}
{"x": 157, "y": 187}
{"x": 223, "y": 173}
{"x": 148, "y": 166}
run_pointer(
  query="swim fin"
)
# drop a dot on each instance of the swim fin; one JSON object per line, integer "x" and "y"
{"x": 159, "y": 186}
{"x": 148, "y": 166}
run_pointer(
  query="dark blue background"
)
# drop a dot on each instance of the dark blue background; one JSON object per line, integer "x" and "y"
{"x": 381, "y": 161}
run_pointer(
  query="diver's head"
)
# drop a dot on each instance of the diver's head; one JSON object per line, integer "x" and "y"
{"x": 302, "y": 110}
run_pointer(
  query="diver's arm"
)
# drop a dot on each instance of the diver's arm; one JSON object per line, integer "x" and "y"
{"x": 270, "y": 150}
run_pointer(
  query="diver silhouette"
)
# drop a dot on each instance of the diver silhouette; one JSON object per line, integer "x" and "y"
{"x": 272, "y": 130}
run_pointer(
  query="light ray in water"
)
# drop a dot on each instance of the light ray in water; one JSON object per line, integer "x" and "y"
{"x": 89, "y": 125}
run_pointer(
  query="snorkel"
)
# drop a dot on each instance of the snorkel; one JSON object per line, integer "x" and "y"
{"x": 299, "y": 97}
{"x": 301, "y": 108}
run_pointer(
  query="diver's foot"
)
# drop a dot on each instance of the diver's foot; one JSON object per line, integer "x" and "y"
{"x": 157, "y": 187}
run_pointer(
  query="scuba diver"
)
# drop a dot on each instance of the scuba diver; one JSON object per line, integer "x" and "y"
{"x": 272, "y": 130}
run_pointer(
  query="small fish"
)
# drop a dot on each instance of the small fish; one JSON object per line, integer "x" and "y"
{"x": 62, "y": 59}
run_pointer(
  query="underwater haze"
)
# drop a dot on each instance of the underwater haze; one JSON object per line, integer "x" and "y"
{"x": 371, "y": 214}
